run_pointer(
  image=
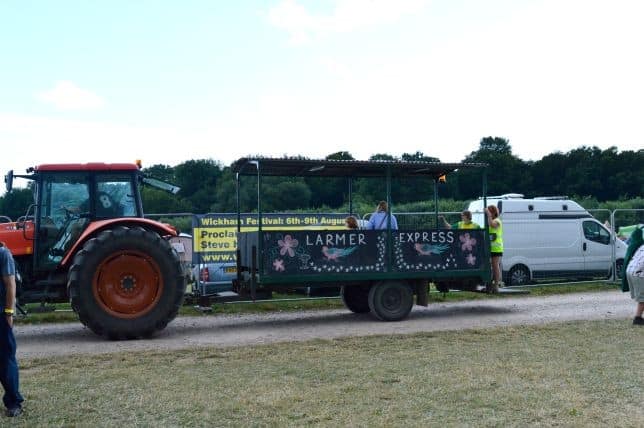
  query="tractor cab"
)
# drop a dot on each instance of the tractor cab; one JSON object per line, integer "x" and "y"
{"x": 68, "y": 198}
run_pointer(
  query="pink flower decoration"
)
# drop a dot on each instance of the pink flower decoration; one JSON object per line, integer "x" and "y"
{"x": 287, "y": 245}
{"x": 471, "y": 259}
{"x": 278, "y": 265}
{"x": 467, "y": 243}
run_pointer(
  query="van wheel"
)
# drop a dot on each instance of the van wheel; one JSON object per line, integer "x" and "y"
{"x": 519, "y": 275}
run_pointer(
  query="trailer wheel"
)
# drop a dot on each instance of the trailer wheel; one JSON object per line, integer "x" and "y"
{"x": 126, "y": 283}
{"x": 356, "y": 298}
{"x": 391, "y": 300}
{"x": 518, "y": 275}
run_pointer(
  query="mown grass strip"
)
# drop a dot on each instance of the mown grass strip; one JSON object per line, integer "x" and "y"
{"x": 574, "y": 374}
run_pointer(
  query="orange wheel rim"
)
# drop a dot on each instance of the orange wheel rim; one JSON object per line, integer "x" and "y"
{"x": 127, "y": 284}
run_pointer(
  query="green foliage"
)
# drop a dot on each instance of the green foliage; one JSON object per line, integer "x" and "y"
{"x": 418, "y": 157}
{"x": 340, "y": 156}
{"x": 158, "y": 201}
{"x": 226, "y": 196}
{"x": 161, "y": 172}
{"x": 506, "y": 172}
{"x": 181, "y": 223}
{"x": 587, "y": 174}
{"x": 285, "y": 194}
{"x": 382, "y": 156}
{"x": 15, "y": 203}
{"x": 198, "y": 180}
{"x": 589, "y": 171}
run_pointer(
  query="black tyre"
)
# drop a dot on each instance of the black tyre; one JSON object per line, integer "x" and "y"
{"x": 518, "y": 275}
{"x": 356, "y": 298}
{"x": 619, "y": 268}
{"x": 126, "y": 283}
{"x": 391, "y": 300}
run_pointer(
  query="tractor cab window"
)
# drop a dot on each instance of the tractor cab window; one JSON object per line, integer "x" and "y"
{"x": 62, "y": 207}
{"x": 115, "y": 196}
{"x": 63, "y": 195}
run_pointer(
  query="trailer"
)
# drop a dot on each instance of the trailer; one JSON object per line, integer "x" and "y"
{"x": 379, "y": 271}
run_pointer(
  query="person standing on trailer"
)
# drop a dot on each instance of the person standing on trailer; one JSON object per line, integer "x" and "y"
{"x": 465, "y": 223}
{"x": 495, "y": 227}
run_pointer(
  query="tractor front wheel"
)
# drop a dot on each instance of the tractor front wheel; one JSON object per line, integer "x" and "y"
{"x": 126, "y": 283}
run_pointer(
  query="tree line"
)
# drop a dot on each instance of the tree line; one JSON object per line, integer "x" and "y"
{"x": 585, "y": 173}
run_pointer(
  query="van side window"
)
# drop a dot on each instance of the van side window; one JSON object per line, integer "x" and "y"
{"x": 595, "y": 232}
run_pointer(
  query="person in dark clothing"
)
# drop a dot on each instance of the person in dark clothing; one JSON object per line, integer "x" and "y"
{"x": 8, "y": 363}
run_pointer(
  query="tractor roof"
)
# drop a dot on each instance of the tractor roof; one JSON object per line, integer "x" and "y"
{"x": 92, "y": 166}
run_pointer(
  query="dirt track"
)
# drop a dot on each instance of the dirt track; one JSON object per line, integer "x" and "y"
{"x": 225, "y": 330}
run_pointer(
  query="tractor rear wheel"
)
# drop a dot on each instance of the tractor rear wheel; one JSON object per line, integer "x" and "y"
{"x": 126, "y": 283}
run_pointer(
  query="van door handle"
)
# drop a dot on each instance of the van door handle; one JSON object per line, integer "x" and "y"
{"x": 584, "y": 246}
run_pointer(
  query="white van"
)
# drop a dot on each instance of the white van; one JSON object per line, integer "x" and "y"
{"x": 551, "y": 237}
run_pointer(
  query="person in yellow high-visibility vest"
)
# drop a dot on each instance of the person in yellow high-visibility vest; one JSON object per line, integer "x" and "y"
{"x": 495, "y": 227}
{"x": 465, "y": 223}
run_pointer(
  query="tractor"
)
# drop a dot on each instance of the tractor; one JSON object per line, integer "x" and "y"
{"x": 85, "y": 240}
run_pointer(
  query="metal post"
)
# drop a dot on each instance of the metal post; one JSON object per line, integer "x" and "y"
{"x": 238, "y": 201}
{"x": 486, "y": 229}
{"x": 613, "y": 240}
{"x": 259, "y": 199}
{"x": 350, "y": 185}
{"x": 259, "y": 217}
{"x": 390, "y": 250}
{"x": 436, "y": 201}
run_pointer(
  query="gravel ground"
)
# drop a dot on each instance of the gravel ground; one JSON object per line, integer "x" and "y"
{"x": 237, "y": 330}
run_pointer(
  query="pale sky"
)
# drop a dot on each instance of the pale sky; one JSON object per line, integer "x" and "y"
{"x": 169, "y": 81}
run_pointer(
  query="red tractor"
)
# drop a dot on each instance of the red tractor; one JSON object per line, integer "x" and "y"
{"x": 85, "y": 241}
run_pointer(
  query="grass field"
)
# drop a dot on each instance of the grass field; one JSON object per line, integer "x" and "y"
{"x": 575, "y": 374}
{"x": 64, "y": 313}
